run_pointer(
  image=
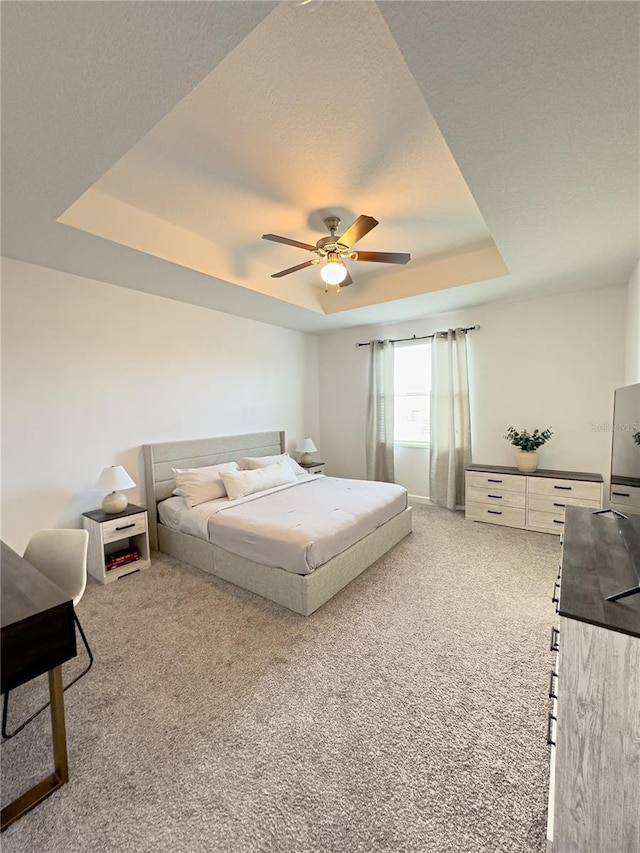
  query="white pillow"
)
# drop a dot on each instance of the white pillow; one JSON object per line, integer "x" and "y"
{"x": 250, "y": 463}
{"x": 241, "y": 483}
{"x": 197, "y": 485}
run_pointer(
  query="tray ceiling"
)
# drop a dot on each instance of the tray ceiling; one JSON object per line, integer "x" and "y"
{"x": 152, "y": 144}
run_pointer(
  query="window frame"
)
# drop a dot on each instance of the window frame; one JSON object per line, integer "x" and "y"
{"x": 424, "y": 445}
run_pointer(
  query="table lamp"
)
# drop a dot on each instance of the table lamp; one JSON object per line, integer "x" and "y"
{"x": 306, "y": 447}
{"x": 114, "y": 477}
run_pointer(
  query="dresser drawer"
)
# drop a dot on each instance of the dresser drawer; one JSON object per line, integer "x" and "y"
{"x": 496, "y": 495}
{"x": 626, "y": 496}
{"x": 579, "y": 489}
{"x": 508, "y": 516}
{"x": 557, "y": 503}
{"x": 485, "y": 480}
{"x": 549, "y": 522}
{"x": 120, "y": 528}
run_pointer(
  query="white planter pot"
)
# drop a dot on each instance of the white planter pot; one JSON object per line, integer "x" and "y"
{"x": 526, "y": 461}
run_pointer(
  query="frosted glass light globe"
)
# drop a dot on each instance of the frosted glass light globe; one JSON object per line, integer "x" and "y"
{"x": 333, "y": 272}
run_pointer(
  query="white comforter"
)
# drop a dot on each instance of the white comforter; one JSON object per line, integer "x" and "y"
{"x": 297, "y": 527}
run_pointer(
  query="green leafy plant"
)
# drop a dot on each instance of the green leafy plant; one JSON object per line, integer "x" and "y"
{"x": 636, "y": 437}
{"x": 526, "y": 440}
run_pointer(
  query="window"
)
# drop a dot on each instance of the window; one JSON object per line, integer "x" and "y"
{"x": 412, "y": 390}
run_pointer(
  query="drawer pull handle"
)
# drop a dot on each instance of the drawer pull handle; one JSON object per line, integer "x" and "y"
{"x": 552, "y": 693}
{"x": 126, "y": 526}
{"x": 621, "y": 494}
{"x": 555, "y": 637}
{"x": 558, "y": 521}
{"x": 489, "y": 480}
{"x": 497, "y": 497}
{"x": 554, "y": 597}
{"x": 557, "y": 504}
{"x": 564, "y": 488}
{"x": 552, "y": 720}
{"x": 494, "y": 512}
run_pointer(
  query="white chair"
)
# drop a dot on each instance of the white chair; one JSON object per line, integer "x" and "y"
{"x": 61, "y": 555}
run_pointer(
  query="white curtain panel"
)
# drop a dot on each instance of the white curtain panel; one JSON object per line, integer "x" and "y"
{"x": 450, "y": 439}
{"x": 380, "y": 408}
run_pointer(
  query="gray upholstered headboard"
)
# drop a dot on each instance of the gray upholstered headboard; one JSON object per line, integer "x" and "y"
{"x": 159, "y": 459}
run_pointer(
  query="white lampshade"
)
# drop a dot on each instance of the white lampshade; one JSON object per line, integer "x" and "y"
{"x": 114, "y": 477}
{"x": 306, "y": 447}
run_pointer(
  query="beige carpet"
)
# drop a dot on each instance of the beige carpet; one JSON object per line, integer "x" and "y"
{"x": 407, "y": 714}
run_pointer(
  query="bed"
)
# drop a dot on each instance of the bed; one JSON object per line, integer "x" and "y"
{"x": 310, "y": 580}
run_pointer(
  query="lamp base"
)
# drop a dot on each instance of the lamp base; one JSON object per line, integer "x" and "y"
{"x": 115, "y": 502}
{"x": 306, "y": 459}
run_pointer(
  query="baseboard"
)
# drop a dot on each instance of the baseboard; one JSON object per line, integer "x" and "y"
{"x": 419, "y": 499}
{"x": 416, "y": 500}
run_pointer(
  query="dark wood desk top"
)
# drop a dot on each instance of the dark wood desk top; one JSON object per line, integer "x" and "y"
{"x": 595, "y": 564}
{"x": 37, "y": 627}
{"x": 25, "y": 590}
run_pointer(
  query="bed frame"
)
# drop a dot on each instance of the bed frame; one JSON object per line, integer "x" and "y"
{"x": 300, "y": 593}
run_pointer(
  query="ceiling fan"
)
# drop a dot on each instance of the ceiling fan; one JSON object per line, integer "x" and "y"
{"x": 335, "y": 250}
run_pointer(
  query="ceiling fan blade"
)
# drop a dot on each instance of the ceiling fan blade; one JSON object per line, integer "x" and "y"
{"x": 287, "y": 241}
{"x": 384, "y": 257}
{"x": 357, "y": 230}
{"x": 348, "y": 280}
{"x": 294, "y": 269}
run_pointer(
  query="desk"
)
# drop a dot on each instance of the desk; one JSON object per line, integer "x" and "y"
{"x": 37, "y": 636}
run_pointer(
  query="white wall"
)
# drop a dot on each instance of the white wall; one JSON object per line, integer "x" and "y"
{"x": 633, "y": 328}
{"x": 553, "y": 362}
{"x": 91, "y": 371}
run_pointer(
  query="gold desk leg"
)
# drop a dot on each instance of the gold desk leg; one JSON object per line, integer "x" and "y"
{"x": 60, "y": 775}
{"x": 58, "y": 728}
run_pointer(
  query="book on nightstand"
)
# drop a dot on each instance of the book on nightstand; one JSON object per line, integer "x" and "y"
{"x": 121, "y": 558}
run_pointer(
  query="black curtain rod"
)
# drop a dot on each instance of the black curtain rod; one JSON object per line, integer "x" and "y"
{"x": 418, "y": 338}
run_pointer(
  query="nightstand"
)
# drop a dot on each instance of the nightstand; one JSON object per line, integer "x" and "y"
{"x": 313, "y": 467}
{"x": 118, "y": 542}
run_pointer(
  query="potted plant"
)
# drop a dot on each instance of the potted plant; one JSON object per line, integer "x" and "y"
{"x": 527, "y": 444}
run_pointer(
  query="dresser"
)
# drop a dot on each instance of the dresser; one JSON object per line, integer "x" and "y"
{"x": 538, "y": 501}
{"x": 594, "y": 688}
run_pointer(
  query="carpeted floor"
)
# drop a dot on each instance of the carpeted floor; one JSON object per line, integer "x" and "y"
{"x": 407, "y": 714}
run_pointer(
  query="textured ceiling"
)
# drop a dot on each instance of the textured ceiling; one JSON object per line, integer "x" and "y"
{"x": 495, "y": 142}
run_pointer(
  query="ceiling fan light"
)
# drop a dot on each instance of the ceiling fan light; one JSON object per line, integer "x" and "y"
{"x": 333, "y": 272}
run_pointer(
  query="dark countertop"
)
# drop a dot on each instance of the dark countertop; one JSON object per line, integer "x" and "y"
{"x": 540, "y": 472}
{"x": 625, "y": 481}
{"x": 100, "y": 515}
{"x": 595, "y": 564}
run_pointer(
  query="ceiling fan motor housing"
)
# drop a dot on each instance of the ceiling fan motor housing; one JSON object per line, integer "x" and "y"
{"x": 329, "y": 244}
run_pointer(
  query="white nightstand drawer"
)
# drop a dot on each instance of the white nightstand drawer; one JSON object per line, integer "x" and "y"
{"x": 579, "y": 489}
{"x": 487, "y": 480}
{"x": 121, "y": 528}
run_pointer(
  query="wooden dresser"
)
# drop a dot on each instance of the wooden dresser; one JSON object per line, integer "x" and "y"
{"x": 538, "y": 501}
{"x": 594, "y": 721}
